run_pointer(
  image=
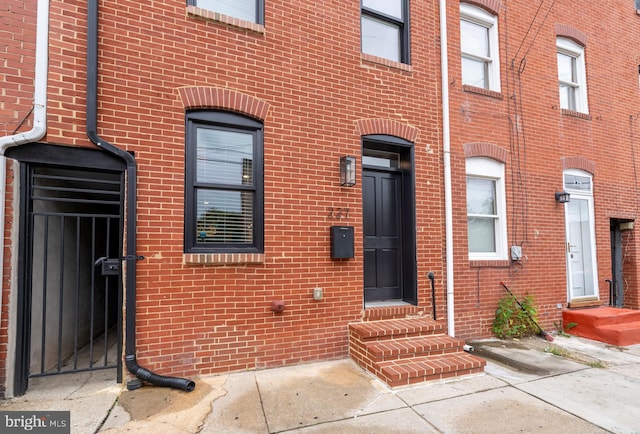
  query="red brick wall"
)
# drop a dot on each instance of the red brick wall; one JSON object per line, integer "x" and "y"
{"x": 320, "y": 95}
{"x": 17, "y": 51}
{"x": 548, "y": 141}
{"x": 317, "y": 95}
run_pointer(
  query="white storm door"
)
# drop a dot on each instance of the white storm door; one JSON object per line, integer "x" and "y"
{"x": 581, "y": 263}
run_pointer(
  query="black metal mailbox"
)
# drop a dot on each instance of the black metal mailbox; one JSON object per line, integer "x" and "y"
{"x": 341, "y": 242}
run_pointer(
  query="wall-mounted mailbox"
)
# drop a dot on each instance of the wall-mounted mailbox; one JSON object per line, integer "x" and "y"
{"x": 341, "y": 242}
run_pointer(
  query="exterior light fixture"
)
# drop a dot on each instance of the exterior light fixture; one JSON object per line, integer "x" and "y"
{"x": 562, "y": 197}
{"x": 347, "y": 171}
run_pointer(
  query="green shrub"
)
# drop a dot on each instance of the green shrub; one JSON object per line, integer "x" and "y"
{"x": 511, "y": 321}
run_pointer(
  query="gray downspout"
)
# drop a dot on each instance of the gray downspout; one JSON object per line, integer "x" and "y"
{"x": 131, "y": 258}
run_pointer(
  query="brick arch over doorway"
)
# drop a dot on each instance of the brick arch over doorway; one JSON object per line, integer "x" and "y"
{"x": 389, "y": 127}
{"x": 194, "y": 97}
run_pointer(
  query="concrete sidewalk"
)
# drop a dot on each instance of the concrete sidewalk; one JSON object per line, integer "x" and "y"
{"x": 593, "y": 388}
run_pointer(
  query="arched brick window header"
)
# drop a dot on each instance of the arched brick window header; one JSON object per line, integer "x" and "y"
{"x": 491, "y": 6}
{"x": 488, "y": 150}
{"x": 578, "y": 163}
{"x": 564, "y": 31}
{"x": 195, "y": 97}
{"x": 365, "y": 127}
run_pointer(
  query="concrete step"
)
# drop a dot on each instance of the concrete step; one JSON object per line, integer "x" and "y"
{"x": 404, "y": 372}
{"x": 431, "y": 345}
{"x": 394, "y": 328}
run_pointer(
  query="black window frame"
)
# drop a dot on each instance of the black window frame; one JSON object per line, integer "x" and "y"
{"x": 228, "y": 121}
{"x": 405, "y": 54}
{"x": 259, "y": 10}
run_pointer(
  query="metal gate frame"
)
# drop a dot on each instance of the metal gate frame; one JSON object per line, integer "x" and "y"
{"x": 88, "y": 191}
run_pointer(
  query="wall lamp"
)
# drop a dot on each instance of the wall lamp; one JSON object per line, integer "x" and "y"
{"x": 347, "y": 171}
{"x": 562, "y": 197}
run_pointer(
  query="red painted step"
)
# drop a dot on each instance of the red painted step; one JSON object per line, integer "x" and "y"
{"x": 616, "y": 326}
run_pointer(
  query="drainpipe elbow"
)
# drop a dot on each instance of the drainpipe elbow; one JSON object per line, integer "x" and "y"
{"x": 33, "y": 135}
{"x": 155, "y": 379}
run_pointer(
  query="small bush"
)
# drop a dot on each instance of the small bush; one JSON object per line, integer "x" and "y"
{"x": 511, "y": 321}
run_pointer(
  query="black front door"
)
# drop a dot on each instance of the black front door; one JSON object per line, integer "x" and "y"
{"x": 382, "y": 222}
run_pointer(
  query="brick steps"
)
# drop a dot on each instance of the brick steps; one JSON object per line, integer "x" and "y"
{"x": 412, "y": 347}
{"x": 620, "y": 327}
{"x": 405, "y": 372}
{"x": 396, "y": 328}
{"x": 405, "y": 351}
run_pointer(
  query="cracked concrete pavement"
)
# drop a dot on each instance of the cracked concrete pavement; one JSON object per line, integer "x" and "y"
{"x": 593, "y": 388}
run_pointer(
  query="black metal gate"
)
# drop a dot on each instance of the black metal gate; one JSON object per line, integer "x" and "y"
{"x": 73, "y": 279}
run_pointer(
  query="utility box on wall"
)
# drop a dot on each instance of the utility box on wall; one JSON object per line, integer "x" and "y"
{"x": 341, "y": 242}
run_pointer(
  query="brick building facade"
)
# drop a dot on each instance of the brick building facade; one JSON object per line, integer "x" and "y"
{"x": 536, "y": 137}
{"x": 237, "y": 122}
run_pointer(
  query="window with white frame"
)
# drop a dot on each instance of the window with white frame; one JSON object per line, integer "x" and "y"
{"x": 248, "y": 10}
{"x": 486, "y": 210}
{"x": 385, "y": 29}
{"x": 479, "y": 48}
{"x": 572, "y": 77}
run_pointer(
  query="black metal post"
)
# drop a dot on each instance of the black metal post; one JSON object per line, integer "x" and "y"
{"x": 431, "y": 277}
{"x": 610, "y": 282}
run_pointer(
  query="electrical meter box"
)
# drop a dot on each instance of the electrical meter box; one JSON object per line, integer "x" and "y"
{"x": 341, "y": 242}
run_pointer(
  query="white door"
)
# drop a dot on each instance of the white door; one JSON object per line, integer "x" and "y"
{"x": 579, "y": 253}
{"x": 582, "y": 279}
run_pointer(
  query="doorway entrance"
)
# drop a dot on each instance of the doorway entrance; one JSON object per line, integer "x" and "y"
{"x": 70, "y": 291}
{"x": 619, "y": 227}
{"x": 388, "y": 221}
{"x": 582, "y": 271}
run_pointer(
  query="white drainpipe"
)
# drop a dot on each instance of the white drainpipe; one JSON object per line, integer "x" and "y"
{"x": 39, "y": 107}
{"x": 40, "y": 94}
{"x": 446, "y": 150}
{"x": 39, "y": 102}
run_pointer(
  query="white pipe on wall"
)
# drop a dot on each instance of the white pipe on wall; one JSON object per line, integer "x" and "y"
{"x": 39, "y": 129}
{"x": 446, "y": 151}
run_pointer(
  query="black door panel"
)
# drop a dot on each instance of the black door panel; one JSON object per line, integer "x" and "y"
{"x": 382, "y": 217}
